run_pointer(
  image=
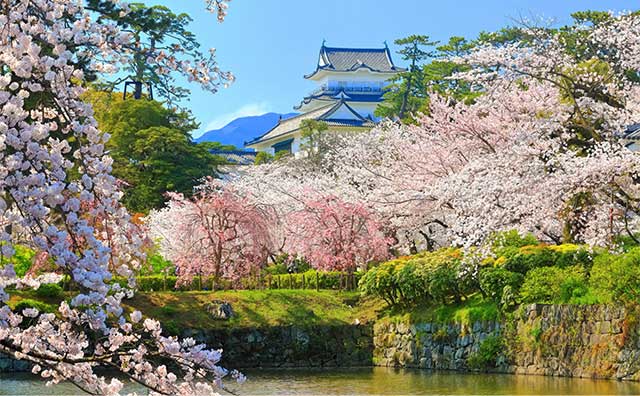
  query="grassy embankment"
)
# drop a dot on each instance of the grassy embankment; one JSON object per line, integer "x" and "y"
{"x": 260, "y": 308}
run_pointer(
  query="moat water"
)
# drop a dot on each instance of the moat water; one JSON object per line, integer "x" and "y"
{"x": 369, "y": 381}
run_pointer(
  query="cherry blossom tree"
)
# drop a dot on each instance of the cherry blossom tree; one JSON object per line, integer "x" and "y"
{"x": 537, "y": 150}
{"x": 55, "y": 178}
{"x": 217, "y": 234}
{"x": 337, "y": 236}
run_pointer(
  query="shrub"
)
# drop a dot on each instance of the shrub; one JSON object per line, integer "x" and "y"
{"x": 487, "y": 354}
{"x": 379, "y": 281}
{"x": 409, "y": 282}
{"x": 29, "y": 303}
{"x": 511, "y": 239}
{"x": 494, "y": 279}
{"x": 159, "y": 265}
{"x": 312, "y": 279}
{"x": 49, "y": 290}
{"x": 263, "y": 158}
{"x": 21, "y": 260}
{"x": 425, "y": 277}
{"x": 617, "y": 277}
{"x": 276, "y": 269}
{"x": 525, "y": 258}
{"x": 546, "y": 285}
{"x": 442, "y": 282}
{"x": 573, "y": 289}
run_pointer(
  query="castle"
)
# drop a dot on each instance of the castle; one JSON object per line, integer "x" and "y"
{"x": 351, "y": 83}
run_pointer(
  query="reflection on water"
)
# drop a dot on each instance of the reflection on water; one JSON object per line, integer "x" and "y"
{"x": 384, "y": 381}
{"x": 371, "y": 381}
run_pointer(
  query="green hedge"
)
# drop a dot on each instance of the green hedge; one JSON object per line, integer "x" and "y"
{"x": 553, "y": 285}
{"x": 617, "y": 277}
{"x": 525, "y": 258}
{"x": 305, "y": 280}
{"x": 529, "y": 273}
{"x": 332, "y": 280}
{"x": 168, "y": 283}
{"x": 425, "y": 277}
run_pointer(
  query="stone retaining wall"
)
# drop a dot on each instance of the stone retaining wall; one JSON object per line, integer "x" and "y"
{"x": 558, "y": 340}
{"x": 290, "y": 346}
{"x": 429, "y": 345}
{"x": 10, "y": 365}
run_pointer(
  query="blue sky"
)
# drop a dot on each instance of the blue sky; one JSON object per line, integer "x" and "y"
{"x": 270, "y": 44}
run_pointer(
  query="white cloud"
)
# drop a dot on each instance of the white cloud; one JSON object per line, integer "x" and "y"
{"x": 251, "y": 109}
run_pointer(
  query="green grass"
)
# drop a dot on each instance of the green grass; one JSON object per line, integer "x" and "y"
{"x": 255, "y": 308}
{"x": 471, "y": 310}
{"x": 262, "y": 308}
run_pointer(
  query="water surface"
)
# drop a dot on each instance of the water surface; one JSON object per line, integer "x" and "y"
{"x": 371, "y": 381}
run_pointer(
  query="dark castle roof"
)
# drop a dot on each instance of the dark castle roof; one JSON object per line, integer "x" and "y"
{"x": 350, "y": 59}
{"x": 632, "y": 132}
{"x": 324, "y": 113}
{"x": 338, "y": 94}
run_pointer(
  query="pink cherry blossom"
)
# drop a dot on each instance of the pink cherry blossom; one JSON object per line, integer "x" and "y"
{"x": 217, "y": 233}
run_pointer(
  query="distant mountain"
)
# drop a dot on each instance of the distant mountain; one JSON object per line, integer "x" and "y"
{"x": 243, "y": 129}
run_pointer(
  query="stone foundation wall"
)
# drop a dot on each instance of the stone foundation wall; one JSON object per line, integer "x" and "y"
{"x": 286, "y": 346}
{"x": 557, "y": 340}
{"x": 429, "y": 345}
{"x": 10, "y": 365}
{"x": 289, "y": 346}
{"x": 576, "y": 341}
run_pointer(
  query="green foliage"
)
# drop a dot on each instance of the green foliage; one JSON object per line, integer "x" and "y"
{"x": 617, "y": 277}
{"x": 467, "y": 312}
{"x": 157, "y": 265}
{"x": 39, "y": 305}
{"x": 487, "y": 355}
{"x": 510, "y": 239}
{"x": 152, "y": 28}
{"x": 525, "y": 258}
{"x": 152, "y": 282}
{"x": 329, "y": 280}
{"x": 21, "y": 260}
{"x": 426, "y": 277}
{"x": 152, "y": 149}
{"x": 284, "y": 264}
{"x": 407, "y": 93}
{"x": 312, "y": 133}
{"x": 379, "y": 281}
{"x": 522, "y": 270}
{"x": 493, "y": 280}
{"x": 49, "y": 290}
{"x": 171, "y": 328}
{"x": 441, "y": 335}
{"x": 409, "y": 90}
{"x": 276, "y": 269}
{"x": 217, "y": 146}
{"x": 553, "y": 285}
{"x": 263, "y": 158}
{"x": 282, "y": 154}
{"x": 442, "y": 282}
{"x": 536, "y": 333}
